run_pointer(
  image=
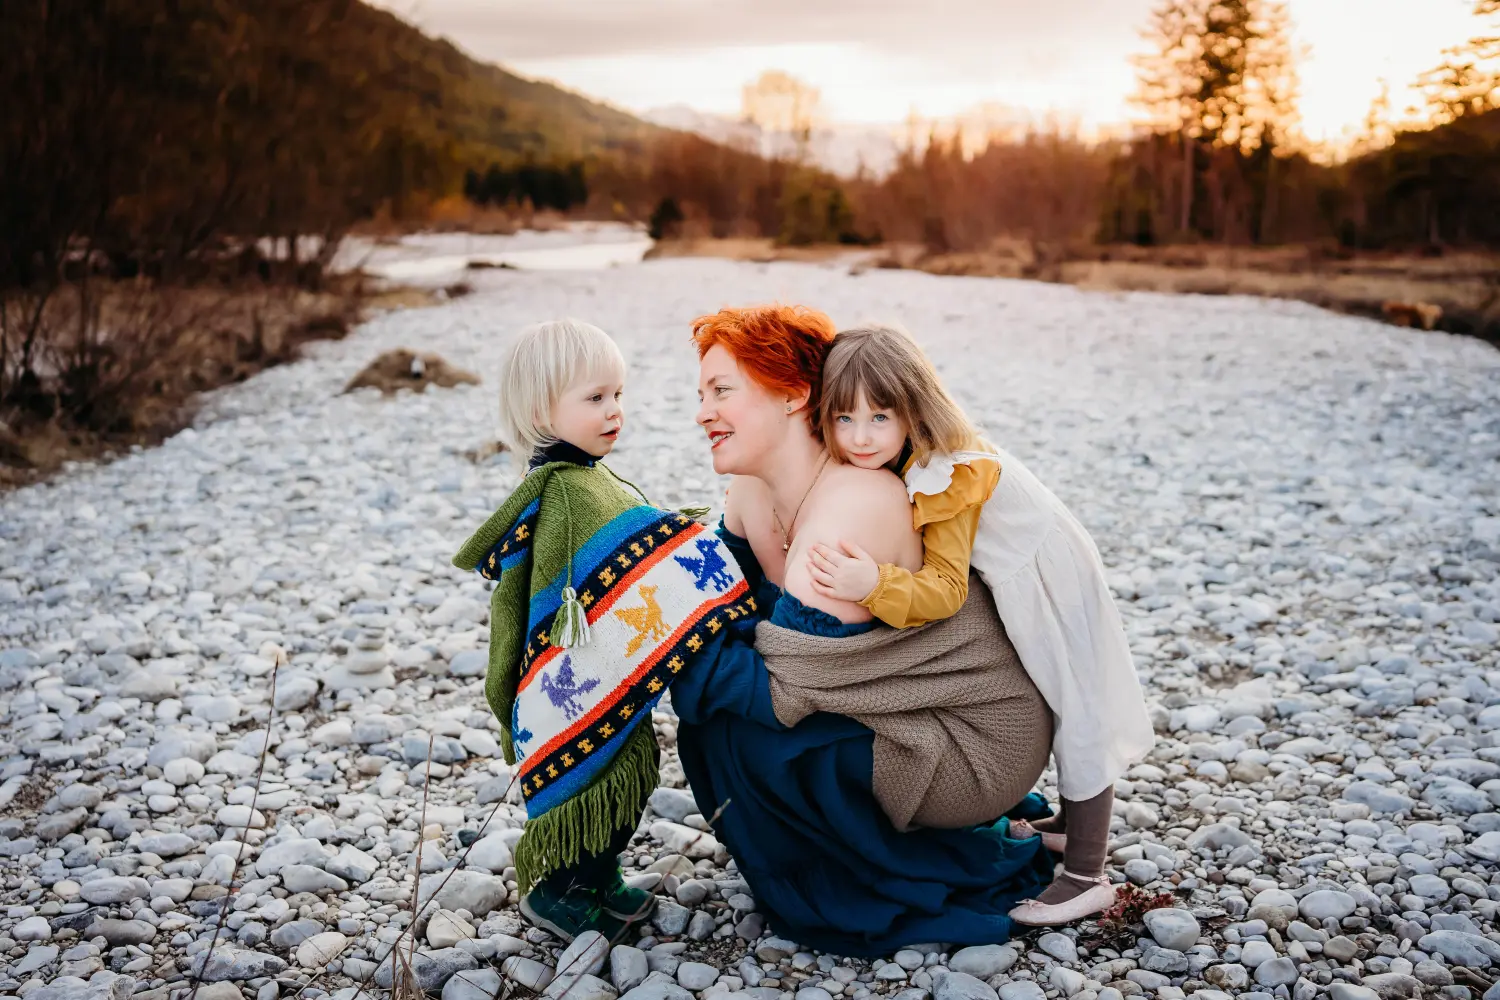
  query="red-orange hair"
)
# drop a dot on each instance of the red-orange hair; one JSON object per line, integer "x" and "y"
{"x": 781, "y": 347}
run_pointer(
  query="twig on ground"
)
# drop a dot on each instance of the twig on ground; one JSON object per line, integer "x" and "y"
{"x": 278, "y": 657}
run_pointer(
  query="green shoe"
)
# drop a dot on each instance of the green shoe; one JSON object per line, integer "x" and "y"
{"x": 570, "y": 914}
{"x": 620, "y": 900}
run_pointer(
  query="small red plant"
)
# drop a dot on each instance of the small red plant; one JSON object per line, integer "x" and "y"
{"x": 1131, "y": 904}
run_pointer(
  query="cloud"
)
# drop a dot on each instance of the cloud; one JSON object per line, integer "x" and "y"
{"x": 954, "y": 37}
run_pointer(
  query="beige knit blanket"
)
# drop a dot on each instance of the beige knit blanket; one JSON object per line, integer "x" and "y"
{"x": 961, "y": 733}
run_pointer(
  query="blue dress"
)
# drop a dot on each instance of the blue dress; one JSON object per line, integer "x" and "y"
{"x": 800, "y": 816}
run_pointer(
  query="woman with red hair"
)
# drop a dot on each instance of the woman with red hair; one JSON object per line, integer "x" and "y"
{"x": 844, "y": 850}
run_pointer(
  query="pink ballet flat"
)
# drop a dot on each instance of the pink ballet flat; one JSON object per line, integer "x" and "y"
{"x": 1035, "y": 913}
{"x": 1054, "y": 842}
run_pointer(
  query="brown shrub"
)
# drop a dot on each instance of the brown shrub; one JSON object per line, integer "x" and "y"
{"x": 1422, "y": 315}
{"x": 407, "y": 369}
{"x": 98, "y": 365}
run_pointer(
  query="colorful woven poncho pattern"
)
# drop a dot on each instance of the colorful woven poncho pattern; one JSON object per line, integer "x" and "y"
{"x": 655, "y": 586}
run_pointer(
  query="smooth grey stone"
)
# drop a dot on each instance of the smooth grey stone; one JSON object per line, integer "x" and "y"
{"x": 1394, "y": 985}
{"x": 290, "y": 935}
{"x": 1323, "y": 904}
{"x": 671, "y": 918}
{"x": 1173, "y": 928}
{"x": 658, "y": 991}
{"x": 627, "y": 967}
{"x": 233, "y": 964}
{"x": 585, "y": 956}
{"x": 121, "y": 932}
{"x": 696, "y": 976}
{"x": 476, "y": 892}
{"x": 432, "y": 968}
{"x": 1473, "y": 950}
{"x": 983, "y": 961}
{"x": 1022, "y": 989}
{"x": 352, "y": 865}
{"x": 1059, "y": 946}
{"x": 1276, "y": 972}
{"x": 477, "y": 984}
{"x": 114, "y": 889}
{"x": 961, "y": 986}
{"x": 306, "y": 878}
{"x": 673, "y": 804}
{"x": 581, "y": 987}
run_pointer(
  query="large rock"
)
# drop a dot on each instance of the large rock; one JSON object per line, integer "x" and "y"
{"x": 296, "y": 851}
{"x": 983, "y": 961}
{"x": 627, "y": 967}
{"x": 102, "y": 986}
{"x": 961, "y": 986}
{"x": 1276, "y": 972}
{"x": 352, "y": 864}
{"x": 476, "y": 892}
{"x": 696, "y": 976}
{"x": 673, "y": 804}
{"x": 113, "y": 889}
{"x": 685, "y": 840}
{"x": 1394, "y": 986}
{"x": 121, "y": 932}
{"x": 1173, "y": 928}
{"x": 320, "y": 949}
{"x": 432, "y": 968}
{"x": 229, "y": 963}
{"x": 1461, "y": 948}
{"x": 585, "y": 956}
{"x": 1322, "y": 904}
{"x": 491, "y": 853}
{"x": 657, "y": 991}
{"x": 306, "y": 878}
{"x": 480, "y": 984}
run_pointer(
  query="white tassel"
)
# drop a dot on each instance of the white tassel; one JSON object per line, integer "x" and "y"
{"x": 571, "y": 626}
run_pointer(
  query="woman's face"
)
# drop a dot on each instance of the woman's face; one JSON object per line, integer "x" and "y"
{"x": 744, "y": 421}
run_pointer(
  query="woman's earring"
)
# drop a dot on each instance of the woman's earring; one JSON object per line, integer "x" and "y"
{"x": 789, "y": 409}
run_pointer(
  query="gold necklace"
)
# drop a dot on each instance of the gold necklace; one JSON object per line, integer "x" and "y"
{"x": 786, "y": 536}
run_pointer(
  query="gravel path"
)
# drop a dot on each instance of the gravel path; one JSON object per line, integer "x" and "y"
{"x": 1300, "y": 513}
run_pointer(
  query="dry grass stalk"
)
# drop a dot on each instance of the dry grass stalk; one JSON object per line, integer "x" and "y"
{"x": 393, "y": 952}
{"x": 410, "y": 928}
{"x": 404, "y": 983}
{"x": 278, "y": 658}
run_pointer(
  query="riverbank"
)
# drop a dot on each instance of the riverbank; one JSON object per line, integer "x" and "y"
{"x": 1296, "y": 510}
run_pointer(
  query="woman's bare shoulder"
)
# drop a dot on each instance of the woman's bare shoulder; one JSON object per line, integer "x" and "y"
{"x": 874, "y": 493}
{"x": 869, "y": 508}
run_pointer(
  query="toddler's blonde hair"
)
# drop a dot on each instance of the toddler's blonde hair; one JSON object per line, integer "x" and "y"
{"x": 885, "y": 365}
{"x": 540, "y": 365}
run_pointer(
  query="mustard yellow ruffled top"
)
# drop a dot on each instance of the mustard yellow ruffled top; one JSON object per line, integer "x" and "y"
{"x": 948, "y": 521}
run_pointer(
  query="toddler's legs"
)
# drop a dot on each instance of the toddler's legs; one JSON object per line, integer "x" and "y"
{"x": 590, "y": 872}
{"x": 1087, "y": 827}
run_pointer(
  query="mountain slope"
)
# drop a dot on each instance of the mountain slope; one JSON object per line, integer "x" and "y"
{"x": 482, "y": 108}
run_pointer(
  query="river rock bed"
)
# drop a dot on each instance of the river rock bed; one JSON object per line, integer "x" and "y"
{"x": 1299, "y": 511}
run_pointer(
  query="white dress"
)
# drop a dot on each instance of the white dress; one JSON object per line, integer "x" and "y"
{"x": 1047, "y": 579}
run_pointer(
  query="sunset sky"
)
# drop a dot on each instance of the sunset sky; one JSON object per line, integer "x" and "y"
{"x": 877, "y": 60}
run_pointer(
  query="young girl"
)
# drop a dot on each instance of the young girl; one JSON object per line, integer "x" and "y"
{"x": 595, "y": 609}
{"x": 883, "y": 405}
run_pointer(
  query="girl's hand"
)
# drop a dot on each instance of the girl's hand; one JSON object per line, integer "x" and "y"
{"x": 849, "y": 575}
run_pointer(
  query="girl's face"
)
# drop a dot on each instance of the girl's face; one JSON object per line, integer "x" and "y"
{"x": 744, "y": 421}
{"x": 589, "y": 415}
{"x": 869, "y": 438}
